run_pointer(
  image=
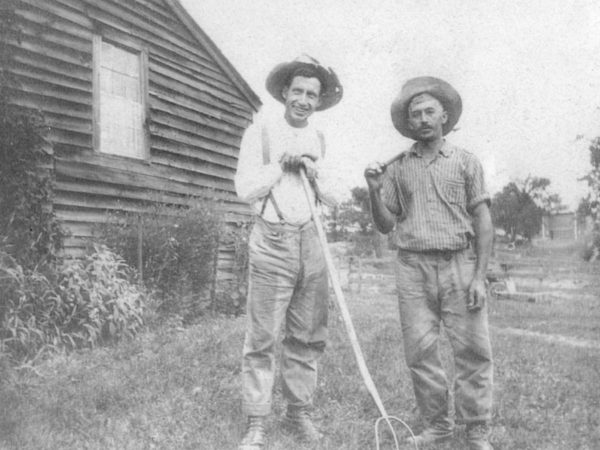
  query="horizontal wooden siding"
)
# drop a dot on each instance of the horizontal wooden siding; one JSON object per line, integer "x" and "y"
{"x": 197, "y": 116}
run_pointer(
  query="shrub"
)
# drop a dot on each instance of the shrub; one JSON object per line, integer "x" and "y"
{"x": 29, "y": 230}
{"x": 591, "y": 246}
{"x": 28, "y": 227}
{"x": 80, "y": 303}
{"x": 362, "y": 245}
{"x": 179, "y": 246}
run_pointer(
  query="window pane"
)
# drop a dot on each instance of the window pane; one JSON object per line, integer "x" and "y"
{"x": 121, "y": 107}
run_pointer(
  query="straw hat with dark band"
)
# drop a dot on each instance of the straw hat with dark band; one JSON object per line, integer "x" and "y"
{"x": 331, "y": 89}
{"x": 439, "y": 89}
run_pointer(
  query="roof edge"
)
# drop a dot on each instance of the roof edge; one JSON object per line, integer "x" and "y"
{"x": 214, "y": 51}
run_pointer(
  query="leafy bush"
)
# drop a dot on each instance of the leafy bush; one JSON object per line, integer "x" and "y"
{"x": 179, "y": 247}
{"x": 591, "y": 246}
{"x": 370, "y": 245}
{"x": 80, "y": 303}
{"x": 361, "y": 245}
{"x": 28, "y": 229}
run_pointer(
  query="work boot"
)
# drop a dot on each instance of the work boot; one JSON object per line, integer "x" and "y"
{"x": 478, "y": 435}
{"x": 254, "y": 437}
{"x": 434, "y": 434}
{"x": 297, "y": 422}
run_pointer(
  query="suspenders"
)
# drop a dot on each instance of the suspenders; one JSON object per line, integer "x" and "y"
{"x": 266, "y": 153}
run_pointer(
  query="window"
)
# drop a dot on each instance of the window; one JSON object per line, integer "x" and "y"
{"x": 119, "y": 100}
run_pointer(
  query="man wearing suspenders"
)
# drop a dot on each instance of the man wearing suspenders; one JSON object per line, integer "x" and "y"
{"x": 288, "y": 276}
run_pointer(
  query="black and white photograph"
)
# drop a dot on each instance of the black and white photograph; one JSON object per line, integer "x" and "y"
{"x": 311, "y": 225}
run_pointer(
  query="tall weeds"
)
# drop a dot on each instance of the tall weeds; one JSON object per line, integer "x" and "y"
{"x": 178, "y": 247}
{"x": 80, "y": 303}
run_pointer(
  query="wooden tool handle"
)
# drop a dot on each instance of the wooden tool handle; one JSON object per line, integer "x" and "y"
{"x": 341, "y": 301}
{"x": 392, "y": 160}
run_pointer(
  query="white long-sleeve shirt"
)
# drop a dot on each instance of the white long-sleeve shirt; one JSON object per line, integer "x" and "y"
{"x": 254, "y": 179}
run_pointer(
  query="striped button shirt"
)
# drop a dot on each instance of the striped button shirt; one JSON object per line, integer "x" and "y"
{"x": 433, "y": 200}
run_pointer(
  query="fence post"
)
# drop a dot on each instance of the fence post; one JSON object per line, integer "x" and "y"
{"x": 350, "y": 261}
{"x": 213, "y": 288}
{"x": 359, "y": 275}
{"x": 140, "y": 242}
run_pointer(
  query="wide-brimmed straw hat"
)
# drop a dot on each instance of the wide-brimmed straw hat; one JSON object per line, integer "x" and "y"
{"x": 331, "y": 89}
{"x": 439, "y": 89}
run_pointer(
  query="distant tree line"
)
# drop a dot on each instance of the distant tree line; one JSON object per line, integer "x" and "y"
{"x": 519, "y": 207}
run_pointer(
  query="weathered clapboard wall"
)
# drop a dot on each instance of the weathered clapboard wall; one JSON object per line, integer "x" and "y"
{"x": 197, "y": 107}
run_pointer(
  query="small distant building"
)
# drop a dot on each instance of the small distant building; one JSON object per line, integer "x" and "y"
{"x": 560, "y": 226}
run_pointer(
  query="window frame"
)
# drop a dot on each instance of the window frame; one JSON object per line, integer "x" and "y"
{"x": 130, "y": 46}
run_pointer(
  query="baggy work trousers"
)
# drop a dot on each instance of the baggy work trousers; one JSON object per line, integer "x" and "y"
{"x": 433, "y": 288}
{"x": 287, "y": 284}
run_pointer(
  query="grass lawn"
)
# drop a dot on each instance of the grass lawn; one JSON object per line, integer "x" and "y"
{"x": 178, "y": 388}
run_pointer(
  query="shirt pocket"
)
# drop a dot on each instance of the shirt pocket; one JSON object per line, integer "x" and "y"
{"x": 454, "y": 191}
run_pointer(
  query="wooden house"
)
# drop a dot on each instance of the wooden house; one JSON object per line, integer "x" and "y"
{"x": 141, "y": 105}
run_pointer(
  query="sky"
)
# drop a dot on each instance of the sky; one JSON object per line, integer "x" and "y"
{"x": 528, "y": 73}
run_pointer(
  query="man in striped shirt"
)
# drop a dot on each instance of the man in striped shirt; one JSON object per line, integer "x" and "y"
{"x": 434, "y": 196}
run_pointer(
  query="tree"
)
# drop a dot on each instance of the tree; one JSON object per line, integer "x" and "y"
{"x": 586, "y": 208}
{"x": 352, "y": 220}
{"x": 538, "y": 190}
{"x": 593, "y": 177}
{"x": 355, "y": 214}
{"x": 591, "y": 205}
{"x": 519, "y": 207}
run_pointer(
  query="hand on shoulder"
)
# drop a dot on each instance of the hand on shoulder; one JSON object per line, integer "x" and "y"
{"x": 373, "y": 174}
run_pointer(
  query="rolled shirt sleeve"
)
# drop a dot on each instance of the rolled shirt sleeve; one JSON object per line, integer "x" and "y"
{"x": 475, "y": 183}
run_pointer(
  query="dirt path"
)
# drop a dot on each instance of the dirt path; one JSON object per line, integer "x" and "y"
{"x": 550, "y": 338}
